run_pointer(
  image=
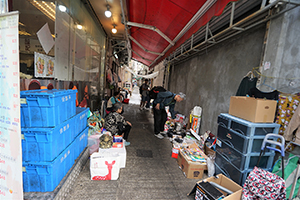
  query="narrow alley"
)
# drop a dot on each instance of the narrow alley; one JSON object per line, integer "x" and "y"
{"x": 150, "y": 173}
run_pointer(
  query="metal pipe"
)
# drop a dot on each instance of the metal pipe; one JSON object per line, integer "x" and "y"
{"x": 242, "y": 21}
{"x": 130, "y": 37}
{"x": 153, "y": 28}
{"x": 232, "y": 13}
{"x": 142, "y": 56}
{"x": 126, "y": 31}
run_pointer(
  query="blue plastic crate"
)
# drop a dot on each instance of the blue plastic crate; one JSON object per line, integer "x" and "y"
{"x": 45, "y": 144}
{"x": 245, "y": 161}
{"x": 240, "y": 142}
{"x": 245, "y": 127}
{"x": 46, "y": 108}
{"x": 223, "y": 166}
{"x": 81, "y": 120}
{"x": 45, "y": 176}
{"x": 81, "y": 142}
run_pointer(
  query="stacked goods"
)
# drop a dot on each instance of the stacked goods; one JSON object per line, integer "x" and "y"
{"x": 54, "y": 133}
{"x": 239, "y": 144}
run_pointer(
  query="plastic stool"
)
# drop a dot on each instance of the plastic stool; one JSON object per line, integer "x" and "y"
{"x": 268, "y": 140}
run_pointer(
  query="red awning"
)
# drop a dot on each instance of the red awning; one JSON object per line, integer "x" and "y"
{"x": 170, "y": 17}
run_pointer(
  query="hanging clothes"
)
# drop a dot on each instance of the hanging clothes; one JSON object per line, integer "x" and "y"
{"x": 254, "y": 92}
{"x": 246, "y": 84}
{"x": 287, "y": 105}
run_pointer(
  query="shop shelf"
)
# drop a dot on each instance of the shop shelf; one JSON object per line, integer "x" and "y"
{"x": 244, "y": 161}
{"x": 245, "y": 127}
{"x": 80, "y": 120}
{"x": 240, "y": 142}
{"x": 45, "y": 144}
{"x": 45, "y": 176}
{"x": 223, "y": 166}
{"x": 81, "y": 142}
{"x": 46, "y": 108}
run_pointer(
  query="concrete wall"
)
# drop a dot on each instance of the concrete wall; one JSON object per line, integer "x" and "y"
{"x": 283, "y": 53}
{"x": 211, "y": 78}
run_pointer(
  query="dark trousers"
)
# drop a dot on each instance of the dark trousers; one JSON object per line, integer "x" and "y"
{"x": 160, "y": 118}
{"x": 125, "y": 131}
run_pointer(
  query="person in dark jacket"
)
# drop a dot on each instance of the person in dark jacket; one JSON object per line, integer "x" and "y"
{"x": 160, "y": 116}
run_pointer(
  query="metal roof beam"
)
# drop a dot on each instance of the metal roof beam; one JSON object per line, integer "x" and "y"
{"x": 146, "y": 50}
{"x": 153, "y": 28}
{"x": 142, "y": 56}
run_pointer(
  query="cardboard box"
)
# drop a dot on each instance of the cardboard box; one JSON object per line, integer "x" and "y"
{"x": 223, "y": 181}
{"x": 104, "y": 166}
{"x": 251, "y": 109}
{"x": 120, "y": 151}
{"x": 209, "y": 151}
{"x": 192, "y": 170}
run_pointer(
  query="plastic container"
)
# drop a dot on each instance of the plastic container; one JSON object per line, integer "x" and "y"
{"x": 245, "y": 127}
{"x": 80, "y": 120}
{"x": 245, "y": 161}
{"x": 240, "y": 142}
{"x": 45, "y": 176}
{"x": 46, "y": 108}
{"x": 81, "y": 142}
{"x": 223, "y": 166}
{"x": 45, "y": 144}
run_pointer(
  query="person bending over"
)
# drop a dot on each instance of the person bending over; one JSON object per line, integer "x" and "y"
{"x": 160, "y": 116}
{"x": 116, "y": 124}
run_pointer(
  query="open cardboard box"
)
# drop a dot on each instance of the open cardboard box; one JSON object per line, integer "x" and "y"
{"x": 253, "y": 110}
{"x": 191, "y": 169}
{"x": 225, "y": 182}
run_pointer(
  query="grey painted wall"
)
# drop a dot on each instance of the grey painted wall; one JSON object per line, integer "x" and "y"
{"x": 210, "y": 79}
{"x": 283, "y": 52}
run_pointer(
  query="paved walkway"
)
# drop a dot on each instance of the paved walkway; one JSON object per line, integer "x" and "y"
{"x": 150, "y": 173}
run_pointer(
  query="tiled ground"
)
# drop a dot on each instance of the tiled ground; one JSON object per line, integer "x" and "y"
{"x": 156, "y": 177}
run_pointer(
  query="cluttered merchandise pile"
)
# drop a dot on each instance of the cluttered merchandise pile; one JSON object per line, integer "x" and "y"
{"x": 54, "y": 134}
{"x": 240, "y": 158}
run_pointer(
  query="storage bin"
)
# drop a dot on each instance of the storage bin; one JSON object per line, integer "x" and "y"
{"x": 245, "y": 127}
{"x": 223, "y": 166}
{"x": 240, "y": 142}
{"x": 45, "y": 176}
{"x": 81, "y": 142}
{"x": 46, "y": 108}
{"x": 245, "y": 161}
{"x": 45, "y": 144}
{"x": 81, "y": 120}
{"x": 234, "y": 174}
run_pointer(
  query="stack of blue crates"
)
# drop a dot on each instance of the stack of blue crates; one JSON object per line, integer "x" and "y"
{"x": 54, "y": 133}
{"x": 238, "y": 146}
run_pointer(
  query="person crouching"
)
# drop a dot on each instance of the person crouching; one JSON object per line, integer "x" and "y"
{"x": 116, "y": 124}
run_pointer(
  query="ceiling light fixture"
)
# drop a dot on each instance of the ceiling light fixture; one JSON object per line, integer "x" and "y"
{"x": 114, "y": 30}
{"x": 62, "y": 8}
{"x": 107, "y": 12}
{"x": 79, "y": 26}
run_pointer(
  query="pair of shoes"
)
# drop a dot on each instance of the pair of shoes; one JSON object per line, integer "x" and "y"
{"x": 141, "y": 108}
{"x": 127, "y": 143}
{"x": 163, "y": 133}
{"x": 159, "y": 136}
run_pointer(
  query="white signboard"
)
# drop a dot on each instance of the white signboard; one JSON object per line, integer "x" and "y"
{"x": 10, "y": 131}
{"x": 43, "y": 65}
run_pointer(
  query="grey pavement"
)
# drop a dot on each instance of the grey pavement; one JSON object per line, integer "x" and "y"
{"x": 150, "y": 172}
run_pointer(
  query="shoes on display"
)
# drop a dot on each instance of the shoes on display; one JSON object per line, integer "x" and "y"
{"x": 159, "y": 136}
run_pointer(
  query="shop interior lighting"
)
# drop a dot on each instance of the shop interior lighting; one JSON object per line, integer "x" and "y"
{"x": 114, "y": 30}
{"x": 48, "y": 8}
{"x": 62, "y": 8}
{"x": 107, "y": 12}
{"x": 24, "y": 33}
{"x": 79, "y": 26}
